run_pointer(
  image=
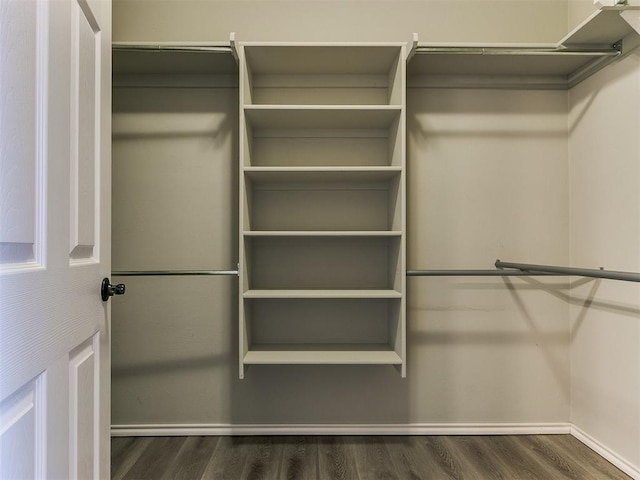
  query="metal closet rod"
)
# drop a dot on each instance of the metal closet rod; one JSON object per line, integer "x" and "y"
{"x": 521, "y": 270}
{"x": 166, "y": 273}
{"x": 602, "y": 52}
{"x": 474, "y": 273}
{"x": 581, "y": 272}
{"x": 410, "y": 273}
{"x": 173, "y": 48}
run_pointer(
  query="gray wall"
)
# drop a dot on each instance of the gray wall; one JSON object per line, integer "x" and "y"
{"x": 487, "y": 179}
{"x": 605, "y": 231}
{"x": 341, "y": 20}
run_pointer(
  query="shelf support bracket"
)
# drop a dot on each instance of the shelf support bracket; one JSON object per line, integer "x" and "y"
{"x": 234, "y": 48}
{"x": 414, "y": 47}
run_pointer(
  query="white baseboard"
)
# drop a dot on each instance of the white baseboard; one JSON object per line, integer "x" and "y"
{"x": 342, "y": 429}
{"x": 606, "y": 453}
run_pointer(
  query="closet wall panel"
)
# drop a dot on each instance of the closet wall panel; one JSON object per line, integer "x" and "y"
{"x": 174, "y": 207}
{"x": 605, "y": 231}
{"x": 487, "y": 179}
{"x": 175, "y": 183}
{"x": 479, "y": 350}
{"x": 341, "y": 20}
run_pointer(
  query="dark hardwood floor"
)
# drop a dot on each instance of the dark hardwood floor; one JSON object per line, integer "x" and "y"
{"x": 540, "y": 457}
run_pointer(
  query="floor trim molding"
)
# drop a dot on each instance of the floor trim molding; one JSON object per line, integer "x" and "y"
{"x": 606, "y": 452}
{"x": 343, "y": 429}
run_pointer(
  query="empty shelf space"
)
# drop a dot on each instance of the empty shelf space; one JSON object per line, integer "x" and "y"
{"x": 355, "y": 354}
{"x": 322, "y": 294}
{"x": 321, "y": 116}
{"x": 324, "y": 148}
{"x": 333, "y": 207}
{"x": 292, "y": 59}
{"x": 323, "y": 263}
{"x": 322, "y": 75}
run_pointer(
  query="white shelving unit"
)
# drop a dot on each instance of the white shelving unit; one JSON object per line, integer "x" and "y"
{"x": 322, "y": 204}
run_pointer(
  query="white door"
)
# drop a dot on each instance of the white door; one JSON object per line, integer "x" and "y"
{"x": 55, "y": 135}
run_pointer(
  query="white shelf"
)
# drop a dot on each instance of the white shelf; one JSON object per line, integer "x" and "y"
{"x": 602, "y": 29}
{"x": 321, "y": 59}
{"x": 322, "y": 294}
{"x": 322, "y": 233}
{"x": 156, "y": 68}
{"x": 312, "y": 354}
{"x": 322, "y": 174}
{"x": 582, "y": 52}
{"x": 321, "y": 116}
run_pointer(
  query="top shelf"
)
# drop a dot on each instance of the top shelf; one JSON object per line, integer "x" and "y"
{"x": 598, "y": 41}
{"x": 322, "y": 74}
{"x": 174, "y": 65}
{"x": 321, "y": 59}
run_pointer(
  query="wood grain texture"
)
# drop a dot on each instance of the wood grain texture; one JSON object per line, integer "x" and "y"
{"x": 410, "y": 461}
{"x": 264, "y": 455}
{"x": 192, "y": 458}
{"x": 156, "y": 460}
{"x": 516, "y": 462}
{"x": 549, "y": 458}
{"x": 578, "y": 452}
{"x": 336, "y": 459}
{"x": 510, "y": 457}
{"x": 299, "y": 458}
{"x": 228, "y": 460}
{"x": 125, "y": 452}
{"x": 373, "y": 458}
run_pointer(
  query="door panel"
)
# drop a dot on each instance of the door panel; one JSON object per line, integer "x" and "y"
{"x": 22, "y": 116}
{"x": 55, "y": 86}
{"x": 22, "y": 432}
{"x": 83, "y": 409}
{"x": 84, "y": 100}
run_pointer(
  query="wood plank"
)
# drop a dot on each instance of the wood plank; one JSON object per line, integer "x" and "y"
{"x": 336, "y": 460}
{"x": 264, "y": 455}
{"x": 411, "y": 461}
{"x": 125, "y": 453}
{"x": 512, "y": 459}
{"x": 373, "y": 459}
{"x": 594, "y": 464}
{"x": 193, "y": 458}
{"x": 576, "y": 462}
{"x": 433, "y": 446}
{"x": 299, "y": 458}
{"x": 228, "y": 460}
{"x": 550, "y": 461}
{"x": 120, "y": 449}
{"x": 473, "y": 456}
{"x": 156, "y": 459}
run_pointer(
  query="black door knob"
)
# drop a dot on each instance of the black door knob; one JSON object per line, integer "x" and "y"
{"x": 108, "y": 290}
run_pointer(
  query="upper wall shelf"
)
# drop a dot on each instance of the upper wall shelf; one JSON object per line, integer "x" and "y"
{"x": 599, "y": 40}
{"x": 176, "y": 65}
{"x": 321, "y": 59}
